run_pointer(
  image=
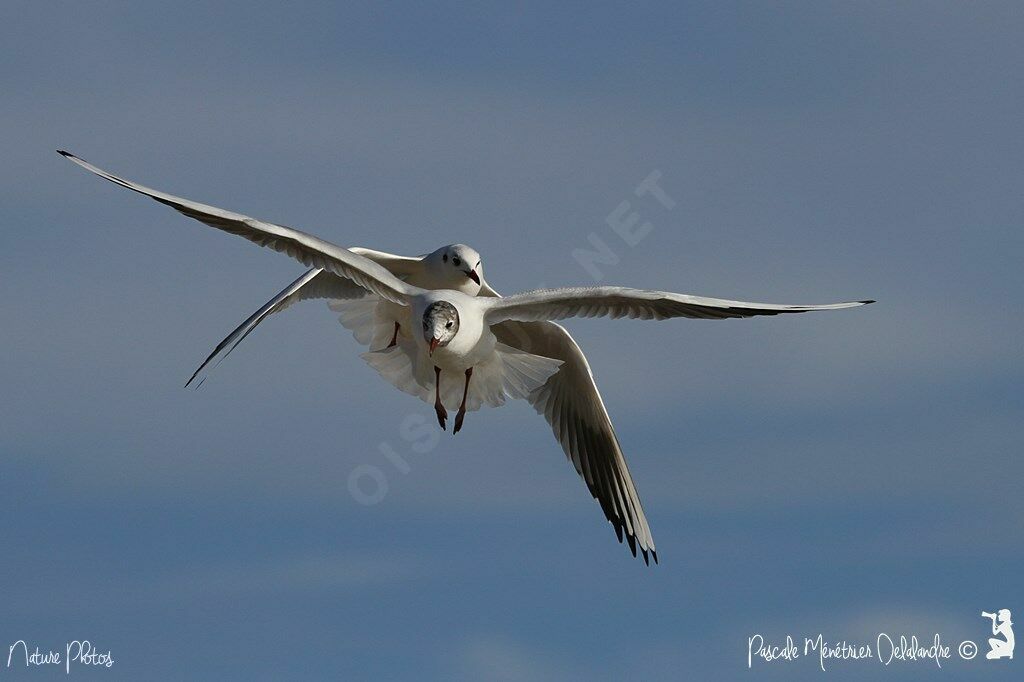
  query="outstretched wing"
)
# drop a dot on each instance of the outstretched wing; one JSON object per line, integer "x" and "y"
{"x": 572, "y": 405}
{"x": 570, "y": 400}
{"x": 310, "y": 250}
{"x": 313, "y": 284}
{"x": 559, "y": 304}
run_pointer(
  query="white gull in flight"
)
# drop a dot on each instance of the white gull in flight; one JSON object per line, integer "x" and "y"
{"x": 451, "y": 344}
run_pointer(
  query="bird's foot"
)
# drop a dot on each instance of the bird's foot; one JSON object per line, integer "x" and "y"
{"x": 458, "y": 421}
{"x": 442, "y": 415}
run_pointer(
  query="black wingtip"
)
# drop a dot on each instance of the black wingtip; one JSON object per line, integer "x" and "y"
{"x": 867, "y": 302}
{"x": 634, "y": 545}
{"x": 64, "y": 153}
{"x": 193, "y": 378}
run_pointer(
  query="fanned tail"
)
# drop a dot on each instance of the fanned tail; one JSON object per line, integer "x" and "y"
{"x": 365, "y": 319}
{"x": 508, "y": 373}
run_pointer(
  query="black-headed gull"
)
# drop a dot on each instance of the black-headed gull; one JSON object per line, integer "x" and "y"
{"x": 453, "y": 333}
{"x": 455, "y": 266}
{"x": 569, "y": 400}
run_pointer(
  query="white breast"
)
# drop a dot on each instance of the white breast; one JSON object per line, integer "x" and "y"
{"x": 473, "y": 343}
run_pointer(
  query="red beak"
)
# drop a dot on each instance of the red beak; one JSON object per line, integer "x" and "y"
{"x": 433, "y": 344}
{"x": 473, "y": 276}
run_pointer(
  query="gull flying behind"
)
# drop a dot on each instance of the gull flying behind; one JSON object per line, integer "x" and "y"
{"x": 453, "y": 334}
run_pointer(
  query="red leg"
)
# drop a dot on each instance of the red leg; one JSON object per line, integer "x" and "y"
{"x": 442, "y": 414}
{"x": 462, "y": 408}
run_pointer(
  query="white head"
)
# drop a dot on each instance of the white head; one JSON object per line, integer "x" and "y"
{"x": 457, "y": 267}
{"x": 440, "y": 324}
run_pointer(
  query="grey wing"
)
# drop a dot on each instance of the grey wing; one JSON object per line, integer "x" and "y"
{"x": 312, "y": 284}
{"x": 645, "y": 304}
{"x": 306, "y": 248}
{"x": 572, "y": 405}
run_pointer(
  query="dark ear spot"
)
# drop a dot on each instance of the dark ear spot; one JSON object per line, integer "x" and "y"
{"x": 445, "y": 258}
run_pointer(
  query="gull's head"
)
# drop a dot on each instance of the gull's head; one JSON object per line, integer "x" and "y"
{"x": 457, "y": 267}
{"x": 440, "y": 324}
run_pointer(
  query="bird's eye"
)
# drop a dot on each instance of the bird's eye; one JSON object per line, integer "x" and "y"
{"x": 455, "y": 261}
{"x": 448, "y": 325}
{"x": 445, "y": 258}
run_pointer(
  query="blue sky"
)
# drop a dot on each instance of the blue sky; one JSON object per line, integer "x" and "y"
{"x": 847, "y": 473}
